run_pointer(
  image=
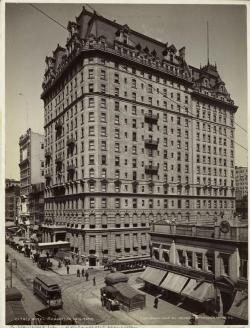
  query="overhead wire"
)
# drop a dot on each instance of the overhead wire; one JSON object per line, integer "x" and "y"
{"x": 172, "y": 100}
{"x": 51, "y": 18}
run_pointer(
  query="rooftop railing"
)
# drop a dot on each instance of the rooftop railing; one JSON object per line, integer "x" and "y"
{"x": 239, "y": 234}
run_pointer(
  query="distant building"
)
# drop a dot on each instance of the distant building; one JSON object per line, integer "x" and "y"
{"x": 11, "y": 182}
{"x": 132, "y": 134}
{"x": 31, "y": 172}
{"x": 12, "y": 193}
{"x": 36, "y": 203}
{"x": 241, "y": 182}
{"x": 206, "y": 265}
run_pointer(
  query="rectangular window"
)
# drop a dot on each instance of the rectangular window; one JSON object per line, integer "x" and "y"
{"x": 91, "y": 145}
{"x": 91, "y": 117}
{"x": 91, "y": 73}
{"x": 190, "y": 259}
{"x": 91, "y": 102}
{"x": 104, "y": 203}
{"x": 92, "y": 202}
{"x": 116, "y": 79}
{"x": 103, "y": 75}
{"x": 199, "y": 260}
{"x": 91, "y": 130}
{"x": 103, "y": 146}
{"x": 103, "y": 117}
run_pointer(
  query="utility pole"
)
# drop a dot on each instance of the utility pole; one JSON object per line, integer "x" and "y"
{"x": 207, "y": 43}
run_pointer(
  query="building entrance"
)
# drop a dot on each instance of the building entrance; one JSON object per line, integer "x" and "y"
{"x": 92, "y": 260}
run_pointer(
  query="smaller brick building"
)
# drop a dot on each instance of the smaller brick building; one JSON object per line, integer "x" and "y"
{"x": 12, "y": 192}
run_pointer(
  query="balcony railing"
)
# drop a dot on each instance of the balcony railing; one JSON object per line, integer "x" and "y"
{"x": 151, "y": 118}
{"x": 48, "y": 154}
{"x": 58, "y": 161}
{"x": 58, "y": 125}
{"x": 71, "y": 142}
{"x": 239, "y": 234}
{"x": 150, "y": 169}
{"x": 153, "y": 144}
{"x": 48, "y": 176}
{"x": 71, "y": 168}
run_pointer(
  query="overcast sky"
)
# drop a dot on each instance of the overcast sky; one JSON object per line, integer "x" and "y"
{"x": 30, "y": 37}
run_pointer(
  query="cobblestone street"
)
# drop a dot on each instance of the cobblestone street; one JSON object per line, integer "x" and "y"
{"x": 82, "y": 300}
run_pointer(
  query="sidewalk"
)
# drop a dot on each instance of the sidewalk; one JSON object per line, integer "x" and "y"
{"x": 72, "y": 268}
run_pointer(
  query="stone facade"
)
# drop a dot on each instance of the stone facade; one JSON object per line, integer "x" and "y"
{"x": 133, "y": 134}
{"x": 31, "y": 171}
{"x": 241, "y": 182}
{"x": 217, "y": 255}
{"x": 12, "y": 193}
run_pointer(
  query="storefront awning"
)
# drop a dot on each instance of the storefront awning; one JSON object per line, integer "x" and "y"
{"x": 153, "y": 276}
{"x": 53, "y": 244}
{"x": 199, "y": 291}
{"x": 239, "y": 308}
{"x": 174, "y": 282}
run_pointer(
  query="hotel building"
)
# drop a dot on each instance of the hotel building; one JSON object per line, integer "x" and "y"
{"x": 133, "y": 134}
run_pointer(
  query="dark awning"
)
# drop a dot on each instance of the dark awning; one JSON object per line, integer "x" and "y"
{"x": 127, "y": 291}
{"x": 153, "y": 275}
{"x": 115, "y": 277}
{"x": 239, "y": 308}
{"x": 13, "y": 294}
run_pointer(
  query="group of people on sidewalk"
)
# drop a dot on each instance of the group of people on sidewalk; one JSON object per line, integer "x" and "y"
{"x": 82, "y": 273}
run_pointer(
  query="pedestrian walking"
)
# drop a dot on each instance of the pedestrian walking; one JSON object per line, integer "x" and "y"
{"x": 94, "y": 282}
{"x": 47, "y": 254}
{"x": 156, "y": 301}
{"x": 87, "y": 276}
{"x": 82, "y": 272}
{"x": 78, "y": 274}
{"x": 193, "y": 319}
{"x": 67, "y": 269}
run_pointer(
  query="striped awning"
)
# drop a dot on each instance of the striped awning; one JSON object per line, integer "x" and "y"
{"x": 239, "y": 308}
{"x": 153, "y": 276}
{"x": 174, "y": 282}
{"x": 199, "y": 291}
